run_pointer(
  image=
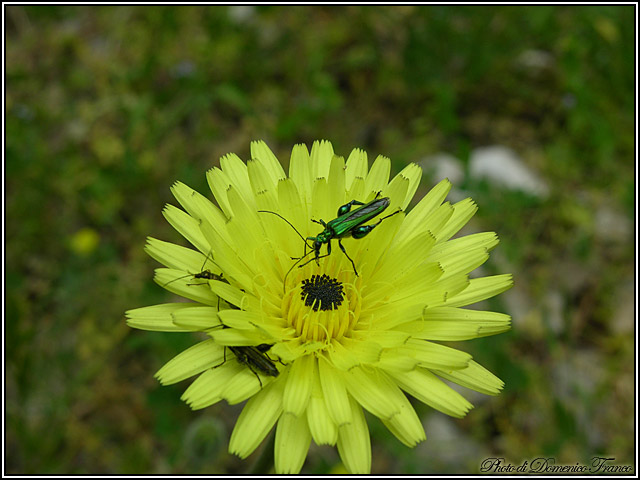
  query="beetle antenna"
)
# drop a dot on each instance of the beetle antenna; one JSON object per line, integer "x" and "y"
{"x": 296, "y": 230}
{"x": 284, "y": 281}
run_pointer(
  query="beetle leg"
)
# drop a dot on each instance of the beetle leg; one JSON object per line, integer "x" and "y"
{"x": 364, "y": 230}
{"x": 224, "y": 358}
{"x": 347, "y": 207}
{"x": 306, "y": 245}
{"x": 328, "y": 252}
{"x": 345, "y": 252}
{"x": 255, "y": 373}
{"x": 316, "y": 258}
{"x": 321, "y": 222}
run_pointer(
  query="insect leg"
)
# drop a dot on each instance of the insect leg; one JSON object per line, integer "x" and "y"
{"x": 202, "y": 274}
{"x": 345, "y": 252}
{"x": 178, "y": 278}
{"x": 318, "y": 251}
{"x": 321, "y": 222}
{"x": 224, "y": 358}
{"x": 347, "y": 207}
{"x": 315, "y": 258}
{"x": 305, "y": 248}
{"x": 255, "y": 373}
{"x": 390, "y": 215}
{"x": 363, "y": 230}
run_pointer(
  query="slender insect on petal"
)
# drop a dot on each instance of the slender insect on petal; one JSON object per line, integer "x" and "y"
{"x": 311, "y": 336}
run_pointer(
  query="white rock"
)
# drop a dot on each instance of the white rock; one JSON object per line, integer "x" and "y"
{"x": 535, "y": 59}
{"x": 452, "y": 447}
{"x": 502, "y": 167}
{"x": 612, "y": 225}
{"x": 555, "y": 305}
{"x": 241, "y": 13}
{"x": 443, "y": 165}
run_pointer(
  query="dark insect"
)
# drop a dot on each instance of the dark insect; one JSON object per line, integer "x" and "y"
{"x": 203, "y": 274}
{"x": 253, "y": 357}
{"x": 256, "y": 359}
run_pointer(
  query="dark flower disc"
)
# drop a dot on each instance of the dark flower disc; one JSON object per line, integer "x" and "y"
{"x": 322, "y": 292}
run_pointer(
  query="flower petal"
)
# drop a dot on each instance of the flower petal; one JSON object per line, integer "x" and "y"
{"x": 207, "y": 388}
{"x": 237, "y": 175}
{"x": 412, "y": 283}
{"x": 475, "y": 377}
{"x": 196, "y": 205}
{"x": 187, "y": 226}
{"x": 463, "y": 263}
{"x": 197, "y": 319}
{"x": 323, "y": 429}
{"x": 261, "y": 152}
{"x": 354, "y": 445}
{"x": 256, "y": 420}
{"x": 157, "y": 317}
{"x": 405, "y": 424}
{"x": 244, "y": 384}
{"x": 321, "y": 155}
{"x": 462, "y": 213}
{"x": 433, "y": 355}
{"x": 357, "y": 166}
{"x": 219, "y": 184}
{"x": 453, "y": 324}
{"x": 292, "y": 443}
{"x": 397, "y": 359}
{"x": 175, "y": 256}
{"x": 299, "y": 384}
{"x": 357, "y": 189}
{"x": 261, "y": 185}
{"x": 336, "y": 181}
{"x": 457, "y": 246}
{"x": 378, "y": 176}
{"x": 300, "y": 170}
{"x": 372, "y": 248}
{"x": 480, "y": 289}
{"x": 412, "y": 174}
{"x": 335, "y": 392}
{"x": 192, "y": 361}
{"x": 320, "y": 207}
{"x": 427, "y": 388}
{"x": 374, "y": 391}
{"x": 402, "y": 258}
{"x": 425, "y": 207}
{"x": 397, "y": 192}
{"x": 228, "y": 292}
{"x": 238, "y": 338}
{"x": 231, "y": 263}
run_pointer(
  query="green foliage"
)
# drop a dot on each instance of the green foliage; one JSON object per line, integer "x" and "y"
{"x": 107, "y": 106}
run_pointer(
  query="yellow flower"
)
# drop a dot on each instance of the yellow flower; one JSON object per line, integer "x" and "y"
{"x": 316, "y": 342}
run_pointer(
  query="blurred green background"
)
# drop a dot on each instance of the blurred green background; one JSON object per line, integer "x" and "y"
{"x": 107, "y": 106}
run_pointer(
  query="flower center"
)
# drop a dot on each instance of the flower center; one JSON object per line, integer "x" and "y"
{"x": 322, "y": 307}
{"x": 322, "y": 292}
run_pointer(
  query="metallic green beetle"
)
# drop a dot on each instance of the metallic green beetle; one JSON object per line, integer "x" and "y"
{"x": 348, "y": 223}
